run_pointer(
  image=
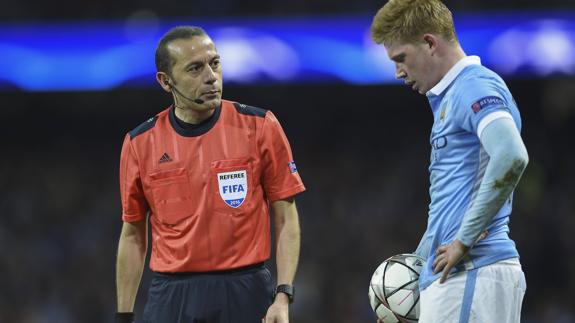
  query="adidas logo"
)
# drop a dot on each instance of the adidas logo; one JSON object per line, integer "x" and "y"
{"x": 165, "y": 158}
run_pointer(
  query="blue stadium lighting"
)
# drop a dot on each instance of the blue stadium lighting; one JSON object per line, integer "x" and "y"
{"x": 110, "y": 54}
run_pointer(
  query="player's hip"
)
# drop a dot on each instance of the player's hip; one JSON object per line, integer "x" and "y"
{"x": 492, "y": 293}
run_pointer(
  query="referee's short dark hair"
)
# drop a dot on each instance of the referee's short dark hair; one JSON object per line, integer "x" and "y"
{"x": 164, "y": 60}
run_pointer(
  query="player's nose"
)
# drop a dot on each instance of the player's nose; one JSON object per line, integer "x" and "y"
{"x": 400, "y": 76}
{"x": 399, "y": 73}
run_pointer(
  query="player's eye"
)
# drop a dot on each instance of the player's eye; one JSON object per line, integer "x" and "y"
{"x": 215, "y": 64}
{"x": 399, "y": 58}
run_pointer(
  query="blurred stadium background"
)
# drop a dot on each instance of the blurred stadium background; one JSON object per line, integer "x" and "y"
{"x": 76, "y": 76}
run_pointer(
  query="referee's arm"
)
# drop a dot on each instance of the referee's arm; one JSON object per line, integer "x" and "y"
{"x": 130, "y": 263}
{"x": 287, "y": 230}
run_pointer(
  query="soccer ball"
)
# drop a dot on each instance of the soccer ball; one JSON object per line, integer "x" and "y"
{"x": 394, "y": 289}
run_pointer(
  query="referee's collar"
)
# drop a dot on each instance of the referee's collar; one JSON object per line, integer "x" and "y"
{"x": 194, "y": 130}
{"x": 453, "y": 73}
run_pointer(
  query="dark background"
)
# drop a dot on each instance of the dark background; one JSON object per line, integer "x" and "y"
{"x": 363, "y": 155}
{"x": 362, "y": 152}
{"x": 97, "y": 9}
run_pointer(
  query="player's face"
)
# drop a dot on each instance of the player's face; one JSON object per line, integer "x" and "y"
{"x": 197, "y": 72}
{"x": 413, "y": 65}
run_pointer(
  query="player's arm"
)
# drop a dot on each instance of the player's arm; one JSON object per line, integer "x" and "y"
{"x": 132, "y": 249}
{"x": 287, "y": 231}
{"x": 507, "y": 161}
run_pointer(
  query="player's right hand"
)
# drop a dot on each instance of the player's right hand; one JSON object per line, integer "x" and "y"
{"x": 482, "y": 236}
{"x": 447, "y": 256}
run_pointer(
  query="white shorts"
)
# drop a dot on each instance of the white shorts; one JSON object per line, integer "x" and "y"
{"x": 493, "y": 293}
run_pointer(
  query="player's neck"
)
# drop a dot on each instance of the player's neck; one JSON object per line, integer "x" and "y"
{"x": 451, "y": 57}
{"x": 193, "y": 116}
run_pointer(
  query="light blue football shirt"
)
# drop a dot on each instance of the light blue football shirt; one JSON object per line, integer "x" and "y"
{"x": 464, "y": 102}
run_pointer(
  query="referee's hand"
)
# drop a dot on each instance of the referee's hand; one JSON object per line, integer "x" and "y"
{"x": 279, "y": 311}
{"x": 124, "y": 318}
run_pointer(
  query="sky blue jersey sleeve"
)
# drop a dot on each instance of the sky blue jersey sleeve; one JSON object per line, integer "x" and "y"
{"x": 477, "y": 100}
{"x": 507, "y": 161}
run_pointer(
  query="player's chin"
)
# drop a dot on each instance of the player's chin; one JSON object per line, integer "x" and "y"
{"x": 422, "y": 91}
{"x": 416, "y": 87}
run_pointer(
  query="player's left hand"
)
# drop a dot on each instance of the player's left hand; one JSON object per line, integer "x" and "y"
{"x": 447, "y": 256}
{"x": 279, "y": 311}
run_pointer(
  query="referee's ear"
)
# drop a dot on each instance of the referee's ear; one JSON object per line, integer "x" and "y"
{"x": 164, "y": 80}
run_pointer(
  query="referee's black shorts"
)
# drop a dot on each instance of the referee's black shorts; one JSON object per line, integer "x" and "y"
{"x": 235, "y": 296}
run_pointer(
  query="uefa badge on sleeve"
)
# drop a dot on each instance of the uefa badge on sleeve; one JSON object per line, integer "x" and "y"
{"x": 233, "y": 187}
{"x": 292, "y": 167}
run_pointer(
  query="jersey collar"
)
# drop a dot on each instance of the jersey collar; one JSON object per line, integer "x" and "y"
{"x": 201, "y": 129}
{"x": 453, "y": 73}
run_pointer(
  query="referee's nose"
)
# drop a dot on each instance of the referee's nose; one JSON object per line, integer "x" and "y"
{"x": 210, "y": 77}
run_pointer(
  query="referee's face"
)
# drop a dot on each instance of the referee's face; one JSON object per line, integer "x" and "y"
{"x": 196, "y": 72}
{"x": 413, "y": 65}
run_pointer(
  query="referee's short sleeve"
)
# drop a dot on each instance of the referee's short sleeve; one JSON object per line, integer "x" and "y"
{"x": 134, "y": 205}
{"x": 280, "y": 176}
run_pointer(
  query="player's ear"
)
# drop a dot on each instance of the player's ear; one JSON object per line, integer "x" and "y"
{"x": 164, "y": 81}
{"x": 430, "y": 41}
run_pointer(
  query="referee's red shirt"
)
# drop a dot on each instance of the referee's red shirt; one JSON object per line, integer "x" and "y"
{"x": 208, "y": 188}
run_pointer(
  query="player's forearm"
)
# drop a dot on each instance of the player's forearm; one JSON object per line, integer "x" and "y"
{"x": 130, "y": 265}
{"x": 287, "y": 231}
{"x": 508, "y": 159}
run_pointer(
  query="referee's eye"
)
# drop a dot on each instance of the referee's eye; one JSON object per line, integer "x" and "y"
{"x": 215, "y": 64}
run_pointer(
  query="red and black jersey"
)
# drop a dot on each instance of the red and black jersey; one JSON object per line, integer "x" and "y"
{"x": 207, "y": 188}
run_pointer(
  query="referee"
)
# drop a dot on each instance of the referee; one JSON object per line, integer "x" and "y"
{"x": 204, "y": 173}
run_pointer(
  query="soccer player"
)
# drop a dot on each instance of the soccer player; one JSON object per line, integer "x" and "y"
{"x": 205, "y": 173}
{"x": 472, "y": 272}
